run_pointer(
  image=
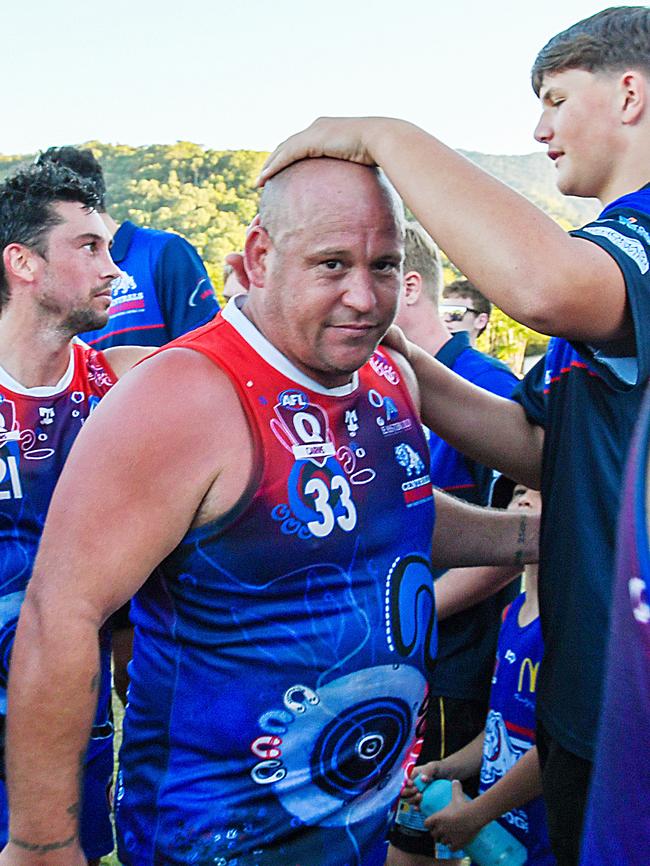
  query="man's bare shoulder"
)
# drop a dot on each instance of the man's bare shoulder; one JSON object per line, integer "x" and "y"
{"x": 170, "y": 442}
{"x": 175, "y": 376}
{"x": 176, "y": 412}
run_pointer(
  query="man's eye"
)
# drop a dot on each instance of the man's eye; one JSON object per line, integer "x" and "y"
{"x": 386, "y": 266}
{"x": 332, "y": 264}
{"x": 91, "y": 245}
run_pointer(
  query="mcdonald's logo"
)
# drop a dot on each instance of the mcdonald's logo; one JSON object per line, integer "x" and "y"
{"x": 532, "y": 675}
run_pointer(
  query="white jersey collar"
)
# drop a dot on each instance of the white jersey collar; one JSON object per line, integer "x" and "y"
{"x": 8, "y": 381}
{"x": 245, "y": 328}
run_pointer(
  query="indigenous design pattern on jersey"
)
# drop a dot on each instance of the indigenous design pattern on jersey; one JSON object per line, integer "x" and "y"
{"x": 616, "y": 827}
{"x": 510, "y": 726}
{"x": 37, "y": 429}
{"x": 279, "y": 660}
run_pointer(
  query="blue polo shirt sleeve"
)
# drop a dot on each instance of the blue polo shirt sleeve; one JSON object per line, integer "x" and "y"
{"x": 623, "y": 231}
{"x": 498, "y": 379}
{"x": 530, "y": 393}
{"x": 185, "y": 294}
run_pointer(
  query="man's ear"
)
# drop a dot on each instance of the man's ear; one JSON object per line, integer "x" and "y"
{"x": 412, "y": 287}
{"x": 634, "y": 91}
{"x": 257, "y": 247}
{"x": 20, "y": 262}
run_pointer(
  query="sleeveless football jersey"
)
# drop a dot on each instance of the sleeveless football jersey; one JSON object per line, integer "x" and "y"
{"x": 510, "y": 726}
{"x": 280, "y": 653}
{"x": 37, "y": 429}
{"x": 617, "y": 829}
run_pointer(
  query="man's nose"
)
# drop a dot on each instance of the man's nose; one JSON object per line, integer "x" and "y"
{"x": 360, "y": 290}
{"x": 110, "y": 270}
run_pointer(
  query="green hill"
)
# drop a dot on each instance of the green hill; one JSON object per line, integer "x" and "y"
{"x": 533, "y": 175}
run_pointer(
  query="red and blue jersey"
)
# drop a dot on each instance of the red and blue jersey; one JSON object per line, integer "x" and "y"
{"x": 37, "y": 429}
{"x": 163, "y": 291}
{"x": 587, "y": 398}
{"x": 510, "y": 726}
{"x": 280, "y": 652}
{"x": 617, "y": 826}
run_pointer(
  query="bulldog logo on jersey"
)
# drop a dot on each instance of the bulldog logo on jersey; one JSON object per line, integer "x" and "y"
{"x": 302, "y": 427}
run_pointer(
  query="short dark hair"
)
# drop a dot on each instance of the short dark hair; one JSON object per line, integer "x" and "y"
{"x": 27, "y": 214}
{"x": 462, "y": 288}
{"x": 608, "y": 41}
{"x": 82, "y": 161}
{"x": 421, "y": 254}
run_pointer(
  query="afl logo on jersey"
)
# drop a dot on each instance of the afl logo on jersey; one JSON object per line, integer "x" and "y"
{"x": 293, "y": 399}
{"x": 302, "y": 428}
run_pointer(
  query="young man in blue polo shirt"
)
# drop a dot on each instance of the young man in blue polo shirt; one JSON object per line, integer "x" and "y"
{"x": 459, "y": 686}
{"x": 570, "y": 429}
{"x": 163, "y": 290}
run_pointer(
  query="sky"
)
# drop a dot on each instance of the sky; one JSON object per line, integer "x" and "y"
{"x": 248, "y": 73}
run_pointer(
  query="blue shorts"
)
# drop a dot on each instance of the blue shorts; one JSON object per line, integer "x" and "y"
{"x": 96, "y": 827}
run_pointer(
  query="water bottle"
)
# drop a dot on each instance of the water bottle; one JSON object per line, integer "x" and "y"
{"x": 492, "y": 846}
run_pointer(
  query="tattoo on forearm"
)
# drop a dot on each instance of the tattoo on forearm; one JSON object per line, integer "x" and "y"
{"x": 94, "y": 683}
{"x": 37, "y": 848}
{"x": 521, "y": 537}
{"x": 521, "y": 541}
{"x": 73, "y": 810}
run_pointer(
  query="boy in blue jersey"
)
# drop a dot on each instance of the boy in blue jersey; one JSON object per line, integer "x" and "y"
{"x": 570, "y": 427}
{"x": 506, "y": 755}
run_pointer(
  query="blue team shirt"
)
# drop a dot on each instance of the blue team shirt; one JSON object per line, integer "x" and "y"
{"x": 163, "y": 290}
{"x": 280, "y": 653}
{"x": 510, "y": 726}
{"x": 617, "y": 825}
{"x": 467, "y": 640}
{"x": 587, "y": 399}
{"x": 451, "y": 470}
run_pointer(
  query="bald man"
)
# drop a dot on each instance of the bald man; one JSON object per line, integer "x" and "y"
{"x": 270, "y": 473}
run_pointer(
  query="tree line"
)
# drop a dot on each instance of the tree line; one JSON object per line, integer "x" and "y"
{"x": 209, "y": 197}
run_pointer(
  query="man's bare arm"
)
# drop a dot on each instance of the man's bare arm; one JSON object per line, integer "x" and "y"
{"x": 488, "y": 428}
{"x": 460, "y": 588}
{"x": 467, "y": 534}
{"x": 135, "y": 479}
{"x": 515, "y": 254}
{"x": 122, "y": 358}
